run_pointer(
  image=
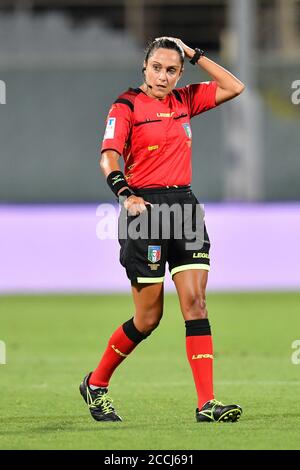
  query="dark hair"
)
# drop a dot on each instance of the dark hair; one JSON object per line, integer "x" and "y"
{"x": 163, "y": 43}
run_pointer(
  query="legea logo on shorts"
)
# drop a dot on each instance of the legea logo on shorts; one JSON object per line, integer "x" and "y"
{"x": 201, "y": 255}
{"x": 2, "y": 92}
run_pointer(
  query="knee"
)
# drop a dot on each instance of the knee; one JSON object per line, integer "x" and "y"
{"x": 151, "y": 324}
{"x": 194, "y": 307}
{"x": 148, "y": 321}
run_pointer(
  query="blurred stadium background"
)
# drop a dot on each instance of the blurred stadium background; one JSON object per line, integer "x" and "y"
{"x": 62, "y": 64}
{"x": 65, "y": 61}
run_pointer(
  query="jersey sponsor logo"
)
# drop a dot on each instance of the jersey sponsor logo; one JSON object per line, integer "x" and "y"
{"x": 153, "y": 147}
{"x": 154, "y": 253}
{"x": 202, "y": 356}
{"x": 187, "y": 129}
{"x": 167, "y": 115}
{"x": 110, "y": 128}
{"x": 201, "y": 255}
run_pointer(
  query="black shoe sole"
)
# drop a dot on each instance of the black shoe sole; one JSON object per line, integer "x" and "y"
{"x": 231, "y": 416}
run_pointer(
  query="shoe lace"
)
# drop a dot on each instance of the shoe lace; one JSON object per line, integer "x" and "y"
{"x": 104, "y": 401}
{"x": 209, "y": 412}
{"x": 216, "y": 402}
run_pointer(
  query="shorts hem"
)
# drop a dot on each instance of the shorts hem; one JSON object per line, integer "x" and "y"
{"x": 149, "y": 280}
{"x": 186, "y": 267}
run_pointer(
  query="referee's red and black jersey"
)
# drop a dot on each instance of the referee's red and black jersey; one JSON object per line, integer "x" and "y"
{"x": 154, "y": 136}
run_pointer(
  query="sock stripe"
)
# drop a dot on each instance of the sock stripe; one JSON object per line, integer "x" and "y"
{"x": 198, "y": 327}
{"x": 132, "y": 333}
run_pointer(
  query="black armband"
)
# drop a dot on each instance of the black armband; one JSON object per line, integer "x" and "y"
{"x": 116, "y": 181}
{"x": 198, "y": 53}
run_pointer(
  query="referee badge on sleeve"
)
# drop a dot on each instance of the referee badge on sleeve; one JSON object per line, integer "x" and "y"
{"x": 110, "y": 128}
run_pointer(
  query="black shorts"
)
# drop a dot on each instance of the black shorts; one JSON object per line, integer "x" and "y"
{"x": 173, "y": 230}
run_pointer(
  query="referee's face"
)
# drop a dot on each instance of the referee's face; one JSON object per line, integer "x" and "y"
{"x": 162, "y": 72}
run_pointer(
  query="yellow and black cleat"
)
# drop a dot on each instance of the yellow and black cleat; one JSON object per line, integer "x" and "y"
{"x": 215, "y": 411}
{"x": 98, "y": 401}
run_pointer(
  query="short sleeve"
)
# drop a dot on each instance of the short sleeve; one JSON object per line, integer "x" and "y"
{"x": 201, "y": 97}
{"x": 118, "y": 127}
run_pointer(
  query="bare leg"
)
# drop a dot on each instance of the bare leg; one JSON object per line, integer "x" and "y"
{"x": 149, "y": 301}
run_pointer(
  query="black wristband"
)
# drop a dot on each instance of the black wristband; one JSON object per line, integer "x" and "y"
{"x": 116, "y": 181}
{"x": 198, "y": 53}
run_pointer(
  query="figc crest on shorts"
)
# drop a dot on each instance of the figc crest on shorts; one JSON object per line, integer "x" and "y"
{"x": 154, "y": 253}
{"x": 187, "y": 129}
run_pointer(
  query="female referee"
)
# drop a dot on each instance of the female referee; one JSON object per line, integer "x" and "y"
{"x": 150, "y": 127}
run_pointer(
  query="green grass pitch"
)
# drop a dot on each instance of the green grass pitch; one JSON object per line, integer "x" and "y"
{"x": 53, "y": 341}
